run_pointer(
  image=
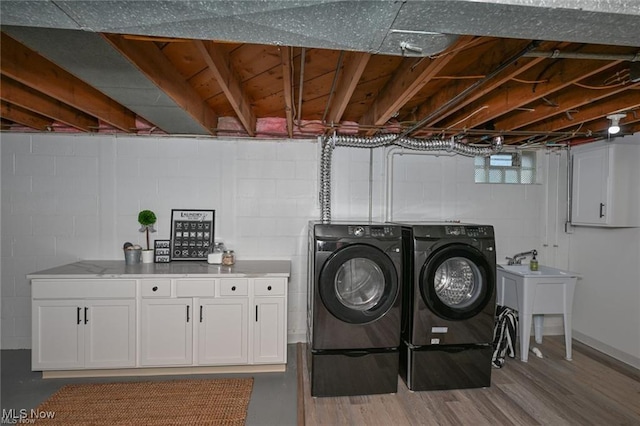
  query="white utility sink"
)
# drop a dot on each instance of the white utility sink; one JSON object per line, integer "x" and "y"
{"x": 535, "y": 293}
{"x": 543, "y": 271}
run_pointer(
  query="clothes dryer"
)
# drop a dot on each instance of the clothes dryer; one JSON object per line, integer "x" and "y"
{"x": 448, "y": 305}
{"x": 354, "y": 307}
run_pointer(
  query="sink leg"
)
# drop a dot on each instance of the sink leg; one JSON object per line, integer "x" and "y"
{"x": 525, "y": 333}
{"x": 567, "y": 335}
{"x": 538, "y": 322}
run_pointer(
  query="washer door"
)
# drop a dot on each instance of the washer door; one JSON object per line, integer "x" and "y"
{"x": 457, "y": 282}
{"x": 358, "y": 284}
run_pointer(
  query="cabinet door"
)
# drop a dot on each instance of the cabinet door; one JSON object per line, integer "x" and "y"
{"x": 166, "y": 332}
{"x": 590, "y": 183}
{"x": 222, "y": 331}
{"x": 269, "y": 345}
{"x": 57, "y": 335}
{"x": 110, "y": 333}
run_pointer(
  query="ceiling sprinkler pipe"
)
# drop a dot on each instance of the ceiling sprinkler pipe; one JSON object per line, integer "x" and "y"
{"x": 448, "y": 145}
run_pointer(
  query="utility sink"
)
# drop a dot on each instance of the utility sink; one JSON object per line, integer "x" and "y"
{"x": 535, "y": 293}
{"x": 543, "y": 271}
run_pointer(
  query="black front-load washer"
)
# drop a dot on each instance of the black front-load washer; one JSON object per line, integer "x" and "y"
{"x": 448, "y": 305}
{"x": 354, "y": 307}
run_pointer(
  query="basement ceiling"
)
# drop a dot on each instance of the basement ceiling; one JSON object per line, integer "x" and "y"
{"x": 537, "y": 72}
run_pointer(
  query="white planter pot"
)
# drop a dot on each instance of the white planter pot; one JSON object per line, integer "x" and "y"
{"x": 147, "y": 256}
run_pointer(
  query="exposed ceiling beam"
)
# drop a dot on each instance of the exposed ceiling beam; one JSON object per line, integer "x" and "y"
{"x": 566, "y": 101}
{"x": 27, "y": 98}
{"x": 25, "y": 117}
{"x": 408, "y": 79}
{"x": 31, "y": 69}
{"x": 287, "y": 83}
{"x": 354, "y": 65}
{"x": 219, "y": 64}
{"x": 456, "y": 87}
{"x": 560, "y": 74}
{"x": 151, "y": 61}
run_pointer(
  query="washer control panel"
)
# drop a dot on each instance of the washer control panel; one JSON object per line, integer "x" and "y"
{"x": 375, "y": 231}
{"x": 469, "y": 231}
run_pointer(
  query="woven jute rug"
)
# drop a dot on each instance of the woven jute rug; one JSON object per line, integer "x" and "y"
{"x": 174, "y": 402}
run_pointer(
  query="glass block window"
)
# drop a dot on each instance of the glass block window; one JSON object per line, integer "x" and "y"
{"x": 509, "y": 167}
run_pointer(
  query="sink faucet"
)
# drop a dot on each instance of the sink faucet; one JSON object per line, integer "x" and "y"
{"x": 517, "y": 259}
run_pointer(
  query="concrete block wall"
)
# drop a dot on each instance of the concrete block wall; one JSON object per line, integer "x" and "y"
{"x": 72, "y": 197}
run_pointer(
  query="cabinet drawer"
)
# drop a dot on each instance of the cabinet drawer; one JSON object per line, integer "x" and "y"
{"x": 195, "y": 288}
{"x": 269, "y": 287}
{"x": 155, "y": 288}
{"x": 234, "y": 287}
{"x": 83, "y": 289}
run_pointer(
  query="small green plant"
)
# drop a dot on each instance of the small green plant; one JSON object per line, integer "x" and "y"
{"x": 147, "y": 218}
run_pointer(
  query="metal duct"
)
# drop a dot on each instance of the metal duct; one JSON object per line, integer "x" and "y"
{"x": 448, "y": 145}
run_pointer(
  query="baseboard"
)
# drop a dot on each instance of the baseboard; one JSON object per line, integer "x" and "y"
{"x": 165, "y": 371}
{"x": 607, "y": 350}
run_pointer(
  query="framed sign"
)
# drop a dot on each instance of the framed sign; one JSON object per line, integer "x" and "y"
{"x": 162, "y": 251}
{"x": 191, "y": 233}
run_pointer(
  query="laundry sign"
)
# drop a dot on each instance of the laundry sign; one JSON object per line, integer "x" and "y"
{"x": 191, "y": 233}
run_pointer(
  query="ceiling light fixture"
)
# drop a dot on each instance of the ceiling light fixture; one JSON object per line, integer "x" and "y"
{"x": 615, "y": 122}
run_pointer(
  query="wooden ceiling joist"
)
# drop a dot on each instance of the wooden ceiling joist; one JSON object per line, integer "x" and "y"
{"x": 354, "y": 65}
{"x": 151, "y": 61}
{"x": 287, "y": 86}
{"x": 405, "y": 83}
{"x": 33, "y": 70}
{"x": 25, "y": 97}
{"x": 220, "y": 65}
{"x": 503, "y": 100}
{"x": 25, "y": 117}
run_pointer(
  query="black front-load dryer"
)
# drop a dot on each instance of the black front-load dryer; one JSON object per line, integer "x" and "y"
{"x": 354, "y": 307}
{"x": 448, "y": 305}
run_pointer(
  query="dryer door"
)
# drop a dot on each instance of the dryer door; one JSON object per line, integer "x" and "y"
{"x": 457, "y": 282}
{"x": 358, "y": 284}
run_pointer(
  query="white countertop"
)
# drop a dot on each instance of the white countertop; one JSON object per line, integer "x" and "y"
{"x": 177, "y": 269}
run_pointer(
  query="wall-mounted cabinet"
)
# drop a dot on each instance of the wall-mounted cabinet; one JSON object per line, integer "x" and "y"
{"x": 606, "y": 185}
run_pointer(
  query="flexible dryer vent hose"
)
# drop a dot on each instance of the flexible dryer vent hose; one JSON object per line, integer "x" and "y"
{"x": 329, "y": 143}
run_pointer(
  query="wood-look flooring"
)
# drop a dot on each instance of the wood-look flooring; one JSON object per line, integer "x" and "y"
{"x": 593, "y": 389}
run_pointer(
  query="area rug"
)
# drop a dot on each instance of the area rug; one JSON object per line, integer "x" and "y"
{"x": 174, "y": 402}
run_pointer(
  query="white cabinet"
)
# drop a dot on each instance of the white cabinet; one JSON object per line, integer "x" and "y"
{"x": 166, "y": 337}
{"x": 160, "y": 319}
{"x": 82, "y": 332}
{"x": 269, "y": 330}
{"x": 606, "y": 185}
{"x": 205, "y": 324}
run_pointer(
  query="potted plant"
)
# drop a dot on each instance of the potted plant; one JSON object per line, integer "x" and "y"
{"x": 147, "y": 219}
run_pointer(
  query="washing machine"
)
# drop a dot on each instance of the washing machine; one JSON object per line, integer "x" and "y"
{"x": 448, "y": 305}
{"x": 354, "y": 308}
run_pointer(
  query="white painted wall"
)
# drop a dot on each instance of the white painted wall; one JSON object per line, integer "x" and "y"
{"x": 71, "y": 197}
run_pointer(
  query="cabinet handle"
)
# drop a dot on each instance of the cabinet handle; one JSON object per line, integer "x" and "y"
{"x": 601, "y": 209}
{"x": 200, "y": 313}
{"x": 233, "y": 288}
{"x": 256, "y": 313}
{"x": 86, "y": 316}
{"x": 155, "y": 288}
{"x": 187, "y": 313}
{"x": 269, "y": 288}
{"x": 78, "y": 315}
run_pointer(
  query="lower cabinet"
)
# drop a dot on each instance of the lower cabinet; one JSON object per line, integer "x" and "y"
{"x": 164, "y": 322}
{"x": 84, "y": 333}
{"x": 233, "y": 321}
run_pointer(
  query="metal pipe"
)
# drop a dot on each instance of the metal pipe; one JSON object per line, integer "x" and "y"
{"x": 448, "y": 145}
{"x": 630, "y": 57}
{"x": 302, "y": 59}
{"x": 460, "y": 96}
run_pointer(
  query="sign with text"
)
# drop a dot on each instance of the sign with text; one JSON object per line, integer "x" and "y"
{"x": 191, "y": 234}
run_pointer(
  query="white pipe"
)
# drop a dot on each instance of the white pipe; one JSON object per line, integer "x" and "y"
{"x": 391, "y": 153}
